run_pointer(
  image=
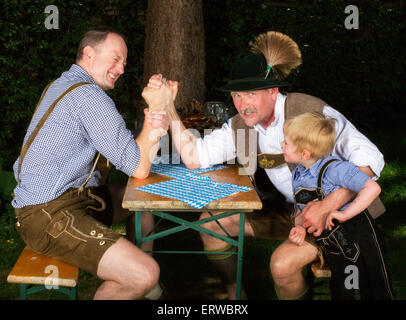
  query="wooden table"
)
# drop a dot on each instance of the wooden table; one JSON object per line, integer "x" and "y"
{"x": 162, "y": 207}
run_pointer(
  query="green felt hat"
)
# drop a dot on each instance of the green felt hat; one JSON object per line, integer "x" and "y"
{"x": 251, "y": 73}
{"x": 273, "y": 56}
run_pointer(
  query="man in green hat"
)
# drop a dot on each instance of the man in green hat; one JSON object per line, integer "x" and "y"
{"x": 254, "y": 87}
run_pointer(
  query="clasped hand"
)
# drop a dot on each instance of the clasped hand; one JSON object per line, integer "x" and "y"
{"x": 158, "y": 94}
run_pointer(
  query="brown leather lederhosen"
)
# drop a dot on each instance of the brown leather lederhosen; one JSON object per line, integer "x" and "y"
{"x": 264, "y": 223}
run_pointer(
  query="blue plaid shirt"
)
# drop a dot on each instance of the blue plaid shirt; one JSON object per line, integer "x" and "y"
{"x": 61, "y": 157}
{"x": 338, "y": 174}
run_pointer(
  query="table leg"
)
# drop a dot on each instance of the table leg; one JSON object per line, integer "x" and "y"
{"x": 196, "y": 225}
{"x": 23, "y": 291}
{"x": 129, "y": 228}
{"x": 240, "y": 255}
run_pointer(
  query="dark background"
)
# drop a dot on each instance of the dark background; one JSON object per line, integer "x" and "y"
{"x": 358, "y": 71}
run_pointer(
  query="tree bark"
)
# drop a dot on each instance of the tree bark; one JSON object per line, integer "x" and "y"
{"x": 174, "y": 46}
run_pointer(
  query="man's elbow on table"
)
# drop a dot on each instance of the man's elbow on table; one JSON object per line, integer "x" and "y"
{"x": 140, "y": 176}
{"x": 191, "y": 162}
{"x": 192, "y": 166}
{"x": 190, "y": 158}
{"x": 141, "y": 173}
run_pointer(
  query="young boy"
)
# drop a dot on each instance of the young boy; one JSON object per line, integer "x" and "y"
{"x": 350, "y": 240}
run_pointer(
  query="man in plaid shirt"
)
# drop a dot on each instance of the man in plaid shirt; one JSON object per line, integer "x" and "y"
{"x": 58, "y": 197}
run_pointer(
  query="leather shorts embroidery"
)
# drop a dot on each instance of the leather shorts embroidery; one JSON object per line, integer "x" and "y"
{"x": 305, "y": 195}
{"x": 337, "y": 241}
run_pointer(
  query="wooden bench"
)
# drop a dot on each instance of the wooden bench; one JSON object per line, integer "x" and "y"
{"x": 321, "y": 271}
{"x": 35, "y": 272}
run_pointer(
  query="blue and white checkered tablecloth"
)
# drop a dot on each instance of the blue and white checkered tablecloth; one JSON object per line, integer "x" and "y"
{"x": 187, "y": 186}
{"x": 179, "y": 171}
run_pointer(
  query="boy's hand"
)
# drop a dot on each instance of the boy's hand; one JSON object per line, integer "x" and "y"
{"x": 338, "y": 215}
{"x": 297, "y": 235}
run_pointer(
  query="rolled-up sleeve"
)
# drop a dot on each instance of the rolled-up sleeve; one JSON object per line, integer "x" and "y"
{"x": 216, "y": 147}
{"x": 353, "y": 146}
{"x": 107, "y": 130}
{"x": 346, "y": 175}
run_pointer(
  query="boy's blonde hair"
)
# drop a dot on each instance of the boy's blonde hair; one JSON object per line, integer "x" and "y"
{"x": 311, "y": 131}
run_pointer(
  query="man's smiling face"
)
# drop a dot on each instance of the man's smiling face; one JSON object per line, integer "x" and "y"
{"x": 256, "y": 107}
{"x": 108, "y": 60}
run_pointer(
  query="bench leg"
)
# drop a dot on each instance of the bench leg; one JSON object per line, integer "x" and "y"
{"x": 73, "y": 293}
{"x": 25, "y": 290}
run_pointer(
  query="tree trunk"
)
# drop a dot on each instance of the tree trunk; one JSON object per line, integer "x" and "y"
{"x": 174, "y": 46}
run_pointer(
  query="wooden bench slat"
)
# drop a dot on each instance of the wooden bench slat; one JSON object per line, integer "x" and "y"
{"x": 319, "y": 272}
{"x": 30, "y": 268}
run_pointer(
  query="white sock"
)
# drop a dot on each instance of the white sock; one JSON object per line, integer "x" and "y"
{"x": 155, "y": 293}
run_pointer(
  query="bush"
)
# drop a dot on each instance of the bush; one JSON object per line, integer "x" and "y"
{"x": 356, "y": 71}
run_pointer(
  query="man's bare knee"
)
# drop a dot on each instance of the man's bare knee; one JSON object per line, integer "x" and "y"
{"x": 282, "y": 266}
{"x": 144, "y": 278}
{"x": 129, "y": 266}
{"x": 289, "y": 259}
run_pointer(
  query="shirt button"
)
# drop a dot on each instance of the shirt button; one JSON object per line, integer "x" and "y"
{"x": 100, "y": 235}
{"x": 18, "y": 224}
{"x": 102, "y": 242}
{"x": 93, "y": 232}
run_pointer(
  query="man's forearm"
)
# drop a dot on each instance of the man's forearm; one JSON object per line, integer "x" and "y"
{"x": 183, "y": 139}
{"x": 148, "y": 142}
{"x": 315, "y": 214}
{"x": 338, "y": 198}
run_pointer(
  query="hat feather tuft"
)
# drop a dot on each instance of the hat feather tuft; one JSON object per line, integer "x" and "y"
{"x": 280, "y": 52}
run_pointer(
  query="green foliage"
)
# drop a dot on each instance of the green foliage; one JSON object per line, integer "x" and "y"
{"x": 7, "y": 184}
{"x": 9, "y": 239}
{"x": 393, "y": 183}
{"x": 358, "y": 71}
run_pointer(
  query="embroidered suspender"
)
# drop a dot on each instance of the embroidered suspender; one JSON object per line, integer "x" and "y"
{"x": 305, "y": 195}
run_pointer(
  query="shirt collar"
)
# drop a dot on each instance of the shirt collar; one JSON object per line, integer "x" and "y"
{"x": 81, "y": 73}
{"x": 315, "y": 168}
{"x": 279, "y": 114}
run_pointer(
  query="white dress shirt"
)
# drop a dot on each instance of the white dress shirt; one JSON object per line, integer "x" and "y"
{"x": 218, "y": 146}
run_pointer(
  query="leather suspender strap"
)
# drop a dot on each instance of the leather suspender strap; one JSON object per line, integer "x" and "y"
{"x": 320, "y": 178}
{"x": 44, "y": 118}
{"x": 305, "y": 195}
{"x": 42, "y": 97}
